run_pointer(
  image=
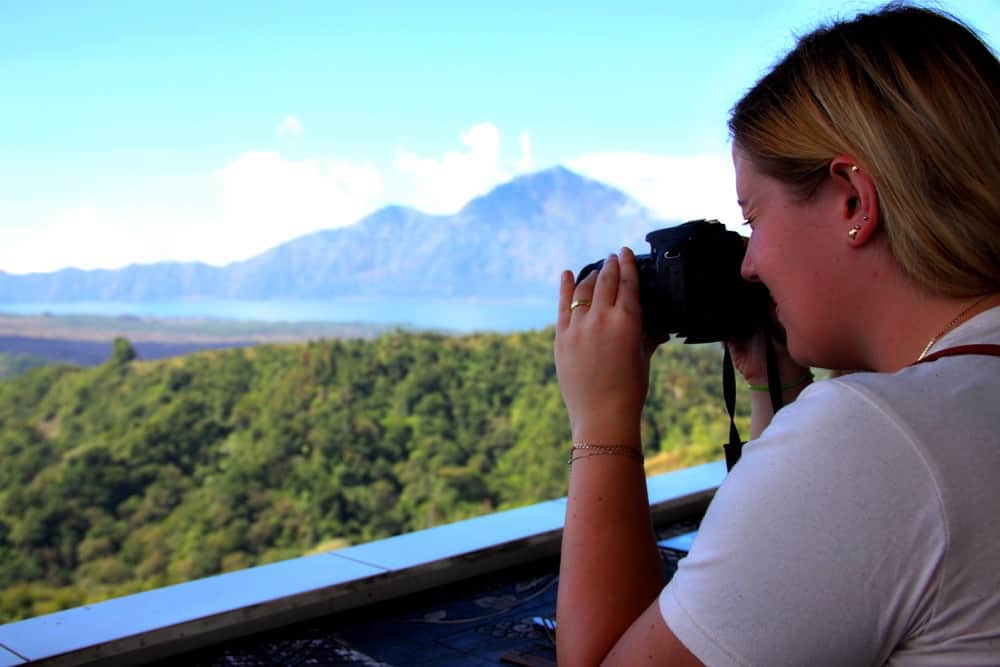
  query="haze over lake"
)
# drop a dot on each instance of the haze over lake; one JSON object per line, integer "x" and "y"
{"x": 461, "y": 316}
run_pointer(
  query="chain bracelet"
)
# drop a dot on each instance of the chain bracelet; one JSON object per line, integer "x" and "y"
{"x": 602, "y": 450}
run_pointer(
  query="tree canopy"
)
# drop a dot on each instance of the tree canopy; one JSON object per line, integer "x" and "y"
{"x": 133, "y": 475}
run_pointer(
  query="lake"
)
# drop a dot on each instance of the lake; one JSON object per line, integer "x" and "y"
{"x": 463, "y": 316}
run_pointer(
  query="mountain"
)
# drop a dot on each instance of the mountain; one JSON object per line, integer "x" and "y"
{"x": 510, "y": 242}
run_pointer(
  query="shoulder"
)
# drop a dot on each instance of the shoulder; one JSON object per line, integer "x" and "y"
{"x": 846, "y": 431}
{"x": 854, "y": 523}
{"x": 802, "y": 545}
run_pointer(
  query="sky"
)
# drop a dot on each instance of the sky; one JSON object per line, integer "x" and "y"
{"x": 136, "y": 132}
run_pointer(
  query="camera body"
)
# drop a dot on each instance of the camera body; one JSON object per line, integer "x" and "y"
{"x": 690, "y": 284}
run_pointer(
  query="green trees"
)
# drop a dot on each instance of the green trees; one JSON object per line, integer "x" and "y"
{"x": 122, "y": 351}
{"x": 16, "y": 364}
{"x": 134, "y": 475}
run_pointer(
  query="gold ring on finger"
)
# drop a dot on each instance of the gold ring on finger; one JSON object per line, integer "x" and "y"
{"x": 579, "y": 302}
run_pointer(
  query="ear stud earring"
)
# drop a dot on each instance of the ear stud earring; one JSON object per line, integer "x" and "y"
{"x": 853, "y": 232}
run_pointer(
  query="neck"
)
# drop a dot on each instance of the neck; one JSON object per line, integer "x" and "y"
{"x": 912, "y": 326}
{"x": 980, "y": 305}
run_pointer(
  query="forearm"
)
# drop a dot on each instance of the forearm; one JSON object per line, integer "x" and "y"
{"x": 610, "y": 569}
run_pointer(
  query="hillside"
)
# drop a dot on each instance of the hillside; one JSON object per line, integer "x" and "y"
{"x": 137, "y": 474}
{"x": 12, "y": 364}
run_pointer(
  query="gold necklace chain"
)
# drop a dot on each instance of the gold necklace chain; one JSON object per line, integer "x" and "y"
{"x": 966, "y": 314}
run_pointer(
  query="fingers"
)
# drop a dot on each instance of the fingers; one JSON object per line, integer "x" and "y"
{"x": 565, "y": 296}
{"x": 606, "y": 290}
{"x": 616, "y": 283}
{"x": 574, "y": 298}
{"x": 628, "y": 295}
{"x": 585, "y": 290}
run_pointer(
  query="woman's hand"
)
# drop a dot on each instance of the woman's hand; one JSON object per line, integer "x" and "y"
{"x": 602, "y": 359}
{"x": 750, "y": 359}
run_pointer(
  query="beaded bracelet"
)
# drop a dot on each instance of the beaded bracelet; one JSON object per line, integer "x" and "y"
{"x": 602, "y": 450}
{"x": 803, "y": 379}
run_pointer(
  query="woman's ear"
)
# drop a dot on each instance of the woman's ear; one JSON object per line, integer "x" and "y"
{"x": 859, "y": 210}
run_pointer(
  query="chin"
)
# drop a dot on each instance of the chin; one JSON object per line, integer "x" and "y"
{"x": 800, "y": 354}
{"x": 819, "y": 357}
{"x": 797, "y": 357}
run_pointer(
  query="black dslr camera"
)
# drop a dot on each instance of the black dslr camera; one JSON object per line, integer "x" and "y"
{"x": 690, "y": 284}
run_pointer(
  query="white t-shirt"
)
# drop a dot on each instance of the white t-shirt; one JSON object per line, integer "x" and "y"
{"x": 861, "y": 528}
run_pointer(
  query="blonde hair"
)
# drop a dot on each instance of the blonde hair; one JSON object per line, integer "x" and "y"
{"x": 914, "y": 95}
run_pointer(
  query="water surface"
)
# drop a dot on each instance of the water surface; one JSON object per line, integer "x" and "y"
{"x": 463, "y": 316}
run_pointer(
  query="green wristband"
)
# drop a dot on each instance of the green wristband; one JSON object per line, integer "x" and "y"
{"x": 803, "y": 379}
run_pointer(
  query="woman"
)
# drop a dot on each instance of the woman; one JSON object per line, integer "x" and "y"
{"x": 861, "y": 526}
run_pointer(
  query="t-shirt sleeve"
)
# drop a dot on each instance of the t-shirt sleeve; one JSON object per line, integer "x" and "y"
{"x": 820, "y": 546}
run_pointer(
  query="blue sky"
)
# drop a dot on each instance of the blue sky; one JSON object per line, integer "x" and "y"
{"x": 140, "y": 131}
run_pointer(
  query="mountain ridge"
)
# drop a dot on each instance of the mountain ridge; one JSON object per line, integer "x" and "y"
{"x": 511, "y": 241}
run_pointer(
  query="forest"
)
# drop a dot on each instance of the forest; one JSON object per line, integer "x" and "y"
{"x": 137, "y": 474}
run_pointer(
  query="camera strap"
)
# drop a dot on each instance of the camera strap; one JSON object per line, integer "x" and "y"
{"x": 983, "y": 349}
{"x": 734, "y": 448}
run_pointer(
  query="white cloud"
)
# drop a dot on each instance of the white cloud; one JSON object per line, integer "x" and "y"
{"x": 253, "y": 203}
{"x": 445, "y": 184}
{"x": 266, "y": 199}
{"x": 673, "y": 187}
{"x": 290, "y": 126}
{"x": 526, "y": 162}
{"x": 67, "y": 237}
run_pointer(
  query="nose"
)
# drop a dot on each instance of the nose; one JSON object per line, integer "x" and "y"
{"x": 747, "y": 269}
